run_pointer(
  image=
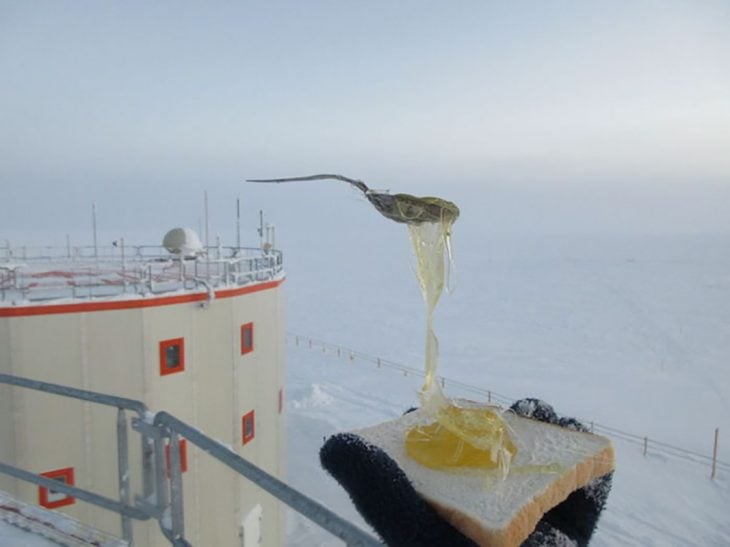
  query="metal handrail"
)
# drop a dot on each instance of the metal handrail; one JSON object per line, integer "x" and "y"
{"x": 79, "y": 493}
{"x": 304, "y": 505}
{"x": 154, "y": 430}
{"x": 75, "y": 393}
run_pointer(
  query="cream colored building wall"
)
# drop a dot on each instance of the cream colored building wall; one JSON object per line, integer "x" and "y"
{"x": 260, "y": 369}
{"x": 7, "y": 425}
{"x": 117, "y": 352}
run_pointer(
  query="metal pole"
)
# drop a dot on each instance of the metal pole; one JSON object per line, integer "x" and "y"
{"x": 714, "y": 454}
{"x": 176, "y": 488}
{"x": 646, "y": 445}
{"x": 93, "y": 221}
{"x": 160, "y": 473}
{"x": 238, "y": 222}
{"x": 123, "y": 472}
{"x": 124, "y": 264}
{"x": 205, "y": 215}
{"x": 261, "y": 228}
{"x": 207, "y": 242}
{"x": 294, "y": 499}
{"x": 148, "y": 486}
{"x": 73, "y": 491}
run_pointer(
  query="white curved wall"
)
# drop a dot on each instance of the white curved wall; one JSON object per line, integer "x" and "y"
{"x": 117, "y": 351}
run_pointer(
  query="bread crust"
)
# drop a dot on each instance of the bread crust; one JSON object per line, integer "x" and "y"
{"x": 523, "y": 524}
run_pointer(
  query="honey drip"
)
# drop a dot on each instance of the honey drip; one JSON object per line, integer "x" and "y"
{"x": 458, "y": 436}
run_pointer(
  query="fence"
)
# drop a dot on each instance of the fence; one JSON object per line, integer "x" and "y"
{"x": 162, "y": 496}
{"x": 645, "y": 442}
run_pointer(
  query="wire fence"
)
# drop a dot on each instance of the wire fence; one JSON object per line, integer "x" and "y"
{"x": 644, "y": 442}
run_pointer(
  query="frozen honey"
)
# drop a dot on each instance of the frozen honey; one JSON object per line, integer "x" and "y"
{"x": 462, "y": 437}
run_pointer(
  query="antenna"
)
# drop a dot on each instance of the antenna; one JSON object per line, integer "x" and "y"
{"x": 205, "y": 215}
{"x": 93, "y": 226}
{"x": 238, "y": 222}
{"x": 261, "y": 228}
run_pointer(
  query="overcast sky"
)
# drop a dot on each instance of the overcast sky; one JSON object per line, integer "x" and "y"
{"x": 142, "y": 105}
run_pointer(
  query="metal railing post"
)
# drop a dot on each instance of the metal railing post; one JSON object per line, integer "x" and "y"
{"x": 148, "y": 464}
{"x": 294, "y": 499}
{"x": 162, "y": 482}
{"x": 161, "y": 486}
{"x": 714, "y": 454}
{"x": 176, "y": 488}
{"x": 123, "y": 471}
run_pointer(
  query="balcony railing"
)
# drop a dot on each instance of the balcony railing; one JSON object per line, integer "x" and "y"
{"x": 41, "y": 274}
{"x": 161, "y": 497}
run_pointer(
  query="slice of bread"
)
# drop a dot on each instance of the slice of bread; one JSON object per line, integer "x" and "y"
{"x": 480, "y": 504}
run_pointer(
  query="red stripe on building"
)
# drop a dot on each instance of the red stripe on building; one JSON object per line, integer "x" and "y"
{"x": 82, "y": 307}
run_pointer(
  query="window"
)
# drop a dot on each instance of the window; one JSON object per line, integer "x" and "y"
{"x": 246, "y": 338}
{"x": 248, "y": 430}
{"x": 183, "y": 446}
{"x": 47, "y": 497}
{"x": 172, "y": 356}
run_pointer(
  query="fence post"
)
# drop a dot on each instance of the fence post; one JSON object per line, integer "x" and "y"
{"x": 714, "y": 454}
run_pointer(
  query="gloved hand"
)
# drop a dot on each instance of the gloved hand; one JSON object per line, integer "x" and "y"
{"x": 386, "y": 499}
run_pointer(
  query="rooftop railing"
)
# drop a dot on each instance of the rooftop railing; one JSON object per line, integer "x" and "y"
{"x": 43, "y": 274}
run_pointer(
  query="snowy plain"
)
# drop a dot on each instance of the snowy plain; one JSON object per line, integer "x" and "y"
{"x": 630, "y": 330}
{"x": 626, "y": 327}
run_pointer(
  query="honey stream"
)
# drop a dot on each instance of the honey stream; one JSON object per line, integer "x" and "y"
{"x": 459, "y": 436}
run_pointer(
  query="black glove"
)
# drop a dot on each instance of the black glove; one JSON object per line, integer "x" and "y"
{"x": 386, "y": 499}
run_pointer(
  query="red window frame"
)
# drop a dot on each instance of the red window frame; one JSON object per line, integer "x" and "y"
{"x": 246, "y": 328}
{"x": 183, "y": 446}
{"x": 248, "y": 419}
{"x": 164, "y": 346}
{"x": 44, "y": 494}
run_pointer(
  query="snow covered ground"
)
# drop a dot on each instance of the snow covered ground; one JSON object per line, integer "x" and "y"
{"x": 12, "y": 536}
{"x": 627, "y": 329}
{"x": 631, "y": 332}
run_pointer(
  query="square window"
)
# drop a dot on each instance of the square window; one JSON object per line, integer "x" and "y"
{"x": 248, "y": 430}
{"x": 172, "y": 356}
{"x": 183, "y": 445}
{"x": 47, "y": 497}
{"x": 246, "y": 338}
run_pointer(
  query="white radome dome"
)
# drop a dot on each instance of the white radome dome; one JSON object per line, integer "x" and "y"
{"x": 183, "y": 241}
